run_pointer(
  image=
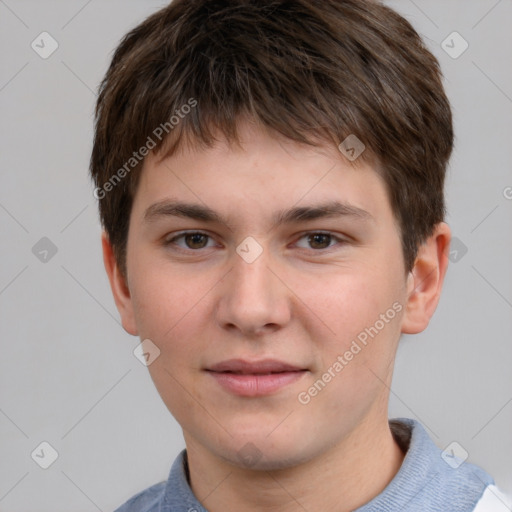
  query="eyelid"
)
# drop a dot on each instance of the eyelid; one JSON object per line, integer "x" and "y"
{"x": 170, "y": 240}
{"x": 336, "y": 237}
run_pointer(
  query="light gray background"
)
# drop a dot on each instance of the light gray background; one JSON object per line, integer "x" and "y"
{"x": 67, "y": 372}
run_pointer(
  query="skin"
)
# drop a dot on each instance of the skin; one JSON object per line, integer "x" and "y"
{"x": 302, "y": 301}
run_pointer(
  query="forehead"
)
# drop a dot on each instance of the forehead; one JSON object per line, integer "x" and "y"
{"x": 265, "y": 175}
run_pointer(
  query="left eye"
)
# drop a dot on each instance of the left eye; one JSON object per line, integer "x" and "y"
{"x": 319, "y": 240}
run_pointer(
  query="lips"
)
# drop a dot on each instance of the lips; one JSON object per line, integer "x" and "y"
{"x": 252, "y": 379}
{"x": 265, "y": 367}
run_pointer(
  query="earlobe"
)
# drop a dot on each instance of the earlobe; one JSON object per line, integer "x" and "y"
{"x": 119, "y": 286}
{"x": 426, "y": 279}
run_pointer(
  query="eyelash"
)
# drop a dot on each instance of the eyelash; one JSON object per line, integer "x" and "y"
{"x": 171, "y": 241}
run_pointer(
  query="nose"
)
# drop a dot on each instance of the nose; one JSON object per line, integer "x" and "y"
{"x": 253, "y": 299}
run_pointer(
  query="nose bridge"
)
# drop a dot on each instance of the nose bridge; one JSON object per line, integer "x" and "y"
{"x": 252, "y": 279}
{"x": 252, "y": 297}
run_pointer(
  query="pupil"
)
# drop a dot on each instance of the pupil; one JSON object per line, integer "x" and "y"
{"x": 318, "y": 238}
{"x": 194, "y": 240}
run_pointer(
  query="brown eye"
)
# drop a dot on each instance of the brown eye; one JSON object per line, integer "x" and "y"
{"x": 196, "y": 240}
{"x": 190, "y": 241}
{"x": 319, "y": 240}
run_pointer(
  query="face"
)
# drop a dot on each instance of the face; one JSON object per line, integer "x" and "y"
{"x": 272, "y": 281}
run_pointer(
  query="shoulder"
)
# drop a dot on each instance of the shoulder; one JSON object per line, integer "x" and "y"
{"x": 148, "y": 500}
{"x": 172, "y": 494}
{"x": 432, "y": 479}
{"x": 493, "y": 500}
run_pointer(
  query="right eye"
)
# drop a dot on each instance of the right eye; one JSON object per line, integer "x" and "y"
{"x": 193, "y": 240}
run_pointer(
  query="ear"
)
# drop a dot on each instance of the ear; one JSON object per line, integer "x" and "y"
{"x": 425, "y": 281}
{"x": 119, "y": 287}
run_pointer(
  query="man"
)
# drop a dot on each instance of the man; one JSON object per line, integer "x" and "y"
{"x": 270, "y": 180}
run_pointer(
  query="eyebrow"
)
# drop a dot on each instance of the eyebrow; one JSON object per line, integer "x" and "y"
{"x": 170, "y": 208}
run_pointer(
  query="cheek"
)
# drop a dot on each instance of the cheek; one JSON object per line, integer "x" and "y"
{"x": 359, "y": 316}
{"x": 346, "y": 303}
{"x": 174, "y": 310}
{"x": 354, "y": 365}
{"x": 164, "y": 298}
{"x": 173, "y": 317}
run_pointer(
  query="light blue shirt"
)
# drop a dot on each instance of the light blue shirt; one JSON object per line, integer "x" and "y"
{"x": 426, "y": 482}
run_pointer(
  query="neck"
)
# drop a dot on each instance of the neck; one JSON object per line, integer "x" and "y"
{"x": 342, "y": 479}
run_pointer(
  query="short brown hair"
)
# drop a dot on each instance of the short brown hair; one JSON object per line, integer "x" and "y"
{"x": 309, "y": 70}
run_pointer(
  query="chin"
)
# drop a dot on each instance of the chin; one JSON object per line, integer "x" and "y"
{"x": 262, "y": 453}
